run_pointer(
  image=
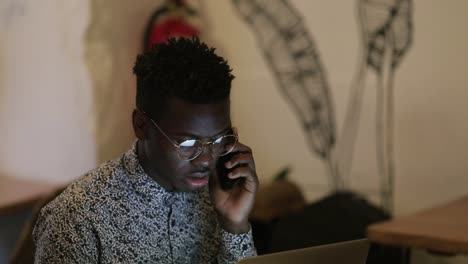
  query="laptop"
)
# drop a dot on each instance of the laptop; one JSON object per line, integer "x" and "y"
{"x": 349, "y": 252}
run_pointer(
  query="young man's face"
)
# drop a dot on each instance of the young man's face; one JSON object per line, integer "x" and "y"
{"x": 182, "y": 120}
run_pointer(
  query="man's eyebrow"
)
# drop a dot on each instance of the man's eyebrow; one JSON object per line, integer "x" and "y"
{"x": 189, "y": 135}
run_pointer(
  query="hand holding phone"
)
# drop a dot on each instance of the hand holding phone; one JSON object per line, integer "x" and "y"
{"x": 233, "y": 198}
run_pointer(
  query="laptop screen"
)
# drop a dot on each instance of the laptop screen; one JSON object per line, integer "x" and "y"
{"x": 350, "y": 252}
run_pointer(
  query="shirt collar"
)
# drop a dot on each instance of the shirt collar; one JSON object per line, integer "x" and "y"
{"x": 148, "y": 187}
{"x": 144, "y": 185}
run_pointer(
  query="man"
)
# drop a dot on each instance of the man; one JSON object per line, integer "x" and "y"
{"x": 162, "y": 201}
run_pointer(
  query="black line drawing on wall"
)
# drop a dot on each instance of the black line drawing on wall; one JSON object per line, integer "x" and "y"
{"x": 292, "y": 56}
{"x": 386, "y": 35}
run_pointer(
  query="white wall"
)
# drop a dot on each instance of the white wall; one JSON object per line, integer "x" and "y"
{"x": 113, "y": 40}
{"x": 46, "y": 125}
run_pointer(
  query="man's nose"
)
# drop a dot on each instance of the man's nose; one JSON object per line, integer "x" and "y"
{"x": 206, "y": 157}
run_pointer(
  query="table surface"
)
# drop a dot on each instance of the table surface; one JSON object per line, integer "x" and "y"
{"x": 443, "y": 229}
{"x": 18, "y": 193}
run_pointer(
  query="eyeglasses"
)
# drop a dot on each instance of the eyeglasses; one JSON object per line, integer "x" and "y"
{"x": 190, "y": 149}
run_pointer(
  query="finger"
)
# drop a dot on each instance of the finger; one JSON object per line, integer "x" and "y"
{"x": 248, "y": 176}
{"x": 240, "y": 172}
{"x": 240, "y": 159}
{"x": 244, "y": 159}
{"x": 239, "y": 147}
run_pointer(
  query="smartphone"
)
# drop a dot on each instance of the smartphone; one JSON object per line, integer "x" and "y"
{"x": 225, "y": 182}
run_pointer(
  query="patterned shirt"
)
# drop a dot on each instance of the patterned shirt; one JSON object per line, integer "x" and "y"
{"x": 118, "y": 214}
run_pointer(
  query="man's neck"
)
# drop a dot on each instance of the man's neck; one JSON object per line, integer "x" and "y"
{"x": 147, "y": 168}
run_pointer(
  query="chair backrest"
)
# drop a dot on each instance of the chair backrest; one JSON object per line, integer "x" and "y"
{"x": 25, "y": 250}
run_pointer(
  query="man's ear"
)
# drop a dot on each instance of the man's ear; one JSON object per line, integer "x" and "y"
{"x": 140, "y": 124}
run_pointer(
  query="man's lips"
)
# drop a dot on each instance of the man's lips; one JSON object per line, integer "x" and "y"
{"x": 198, "y": 179}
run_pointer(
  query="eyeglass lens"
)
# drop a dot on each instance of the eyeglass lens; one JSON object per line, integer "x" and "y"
{"x": 190, "y": 149}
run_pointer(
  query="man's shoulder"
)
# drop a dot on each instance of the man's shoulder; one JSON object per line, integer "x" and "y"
{"x": 85, "y": 201}
{"x": 105, "y": 178}
{"x": 91, "y": 189}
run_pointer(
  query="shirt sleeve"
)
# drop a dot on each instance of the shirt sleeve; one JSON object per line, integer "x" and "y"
{"x": 235, "y": 247}
{"x": 61, "y": 236}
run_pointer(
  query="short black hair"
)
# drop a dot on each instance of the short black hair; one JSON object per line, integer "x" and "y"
{"x": 182, "y": 67}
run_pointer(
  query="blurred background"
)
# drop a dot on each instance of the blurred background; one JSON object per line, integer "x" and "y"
{"x": 67, "y": 92}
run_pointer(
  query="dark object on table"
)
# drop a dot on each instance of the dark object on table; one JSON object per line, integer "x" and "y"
{"x": 341, "y": 216}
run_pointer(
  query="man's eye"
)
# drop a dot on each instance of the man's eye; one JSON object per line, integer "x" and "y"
{"x": 188, "y": 143}
{"x": 218, "y": 140}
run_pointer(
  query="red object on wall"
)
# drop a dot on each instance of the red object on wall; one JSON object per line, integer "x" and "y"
{"x": 175, "y": 18}
{"x": 171, "y": 27}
